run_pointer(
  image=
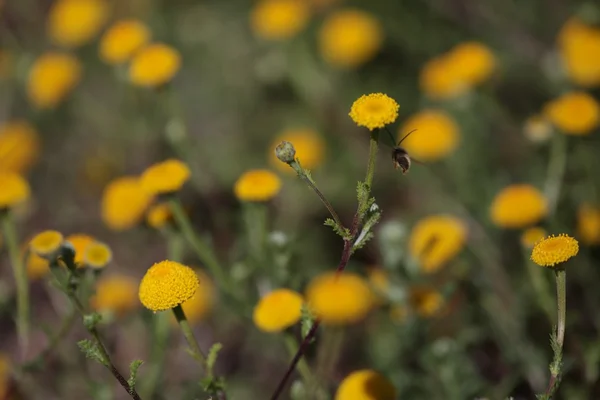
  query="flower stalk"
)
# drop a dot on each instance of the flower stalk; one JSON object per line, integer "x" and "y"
{"x": 196, "y": 352}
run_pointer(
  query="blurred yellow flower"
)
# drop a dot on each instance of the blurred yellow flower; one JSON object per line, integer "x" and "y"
{"x": 435, "y": 240}
{"x": 15, "y": 189}
{"x": 437, "y": 135}
{"x": 279, "y": 19}
{"x": 518, "y": 206}
{"x": 202, "y": 302}
{"x": 19, "y": 146}
{"x": 474, "y": 62}
{"x": 537, "y": 129}
{"x": 554, "y": 250}
{"x": 46, "y": 243}
{"x": 579, "y": 47}
{"x": 154, "y": 65}
{"x": 115, "y": 294}
{"x": 158, "y": 215}
{"x": 278, "y": 310}
{"x": 166, "y": 285}
{"x": 309, "y": 146}
{"x": 574, "y": 113}
{"x": 97, "y": 255}
{"x": 426, "y": 301}
{"x": 72, "y": 23}
{"x": 80, "y": 242}
{"x": 350, "y": 38}
{"x": 37, "y": 267}
{"x": 339, "y": 298}
{"x": 375, "y": 110}
{"x": 124, "y": 203}
{"x": 120, "y": 42}
{"x": 51, "y": 78}
{"x": 531, "y": 236}
{"x": 588, "y": 224}
{"x": 365, "y": 384}
{"x": 165, "y": 177}
{"x": 257, "y": 185}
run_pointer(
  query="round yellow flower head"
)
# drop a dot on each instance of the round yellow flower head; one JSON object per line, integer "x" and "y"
{"x": 309, "y": 146}
{"x": 37, "y": 267}
{"x": 124, "y": 203}
{"x": 165, "y": 177}
{"x": 159, "y": 215}
{"x": 531, "y": 236}
{"x": 574, "y": 113}
{"x": 201, "y": 303}
{"x": 554, "y": 250}
{"x": 166, "y": 285}
{"x": 97, "y": 255}
{"x": 473, "y": 61}
{"x": 257, "y": 185}
{"x": 588, "y": 224}
{"x": 19, "y": 146}
{"x": 438, "y": 137}
{"x": 120, "y": 42}
{"x": 154, "y": 65}
{"x": 46, "y": 244}
{"x": 339, "y": 298}
{"x": 51, "y": 78}
{"x": 72, "y": 23}
{"x": 439, "y": 81}
{"x": 365, "y": 384}
{"x": 375, "y": 110}
{"x": 349, "y": 38}
{"x": 116, "y": 294}
{"x": 518, "y": 206}
{"x": 279, "y": 19}
{"x": 426, "y": 301}
{"x": 278, "y": 310}
{"x": 15, "y": 189}
{"x": 537, "y": 129}
{"x": 579, "y": 47}
{"x": 436, "y": 240}
{"x": 80, "y": 243}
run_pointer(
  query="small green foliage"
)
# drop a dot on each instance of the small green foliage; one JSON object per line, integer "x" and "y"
{"x": 211, "y": 358}
{"x": 133, "y": 370}
{"x": 213, "y": 385}
{"x": 343, "y": 232}
{"x": 91, "y": 351}
{"x": 307, "y": 320}
{"x": 91, "y": 320}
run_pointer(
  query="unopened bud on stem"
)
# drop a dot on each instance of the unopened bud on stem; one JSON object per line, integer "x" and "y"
{"x": 286, "y": 152}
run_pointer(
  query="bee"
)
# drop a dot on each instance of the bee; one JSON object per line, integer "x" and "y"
{"x": 400, "y": 157}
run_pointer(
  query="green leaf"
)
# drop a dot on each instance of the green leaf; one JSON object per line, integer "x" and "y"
{"x": 344, "y": 233}
{"x": 91, "y": 320}
{"x": 307, "y": 320}
{"x": 91, "y": 351}
{"x": 133, "y": 370}
{"x": 211, "y": 359}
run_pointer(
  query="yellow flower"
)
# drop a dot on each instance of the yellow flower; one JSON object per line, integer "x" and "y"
{"x": 154, "y": 65}
{"x": 439, "y": 81}
{"x": 588, "y": 224}
{"x": 37, "y": 267}
{"x": 437, "y": 135}
{"x": 124, "y": 203}
{"x": 15, "y": 189}
{"x": 339, "y": 299}
{"x": 365, "y": 384}
{"x": 158, "y": 215}
{"x": 120, "y": 42}
{"x": 5, "y": 368}
{"x": 554, "y": 250}
{"x": 51, "y": 78}
{"x": 350, "y": 38}
{"x": 309, "y": 145}
{"x": 426, "y": 301}
{"x": 166, "y": 285}
{"x": 97, "y": 255}
{"x": 257, "y": 185}
{"x": 116, "y": 294}
{"x": 518, "y": 206}
{"x": 537, "y": 129}
{"x": 80, "y": 242}
{"x": 375, "y": 110}
{"x": 574, "y": 113}
{"x": 72, "y": 23}
{"x": 279, "y": 19}
{"x": 165, "y": 177}
{"x": 436, "y": 240}
{"x": 474, "y": 62}
{"x": 531, "y": 236}
{"x": 19, "y": 146}
{"x": 278, "y": 310}
{"x": 202, "y": 302}
{"x": 47, "y": 243}
{"x": 579, "y": 46}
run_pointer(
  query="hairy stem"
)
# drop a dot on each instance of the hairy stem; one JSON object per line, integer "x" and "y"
{"x": 197, "y": 353}
{"x": 561, "y": 296}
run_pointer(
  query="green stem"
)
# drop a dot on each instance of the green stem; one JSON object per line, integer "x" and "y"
{"x": 556, "y": 171}
{"x": 190, "y": 338}
{"x": 373, "y": 146}
{"x": 255, "y": 218}
{"x": 20, "y": 275}
{"x": 561, "y": 296}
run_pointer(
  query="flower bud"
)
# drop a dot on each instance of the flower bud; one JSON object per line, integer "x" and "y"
{"x": 286, "y": 152}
